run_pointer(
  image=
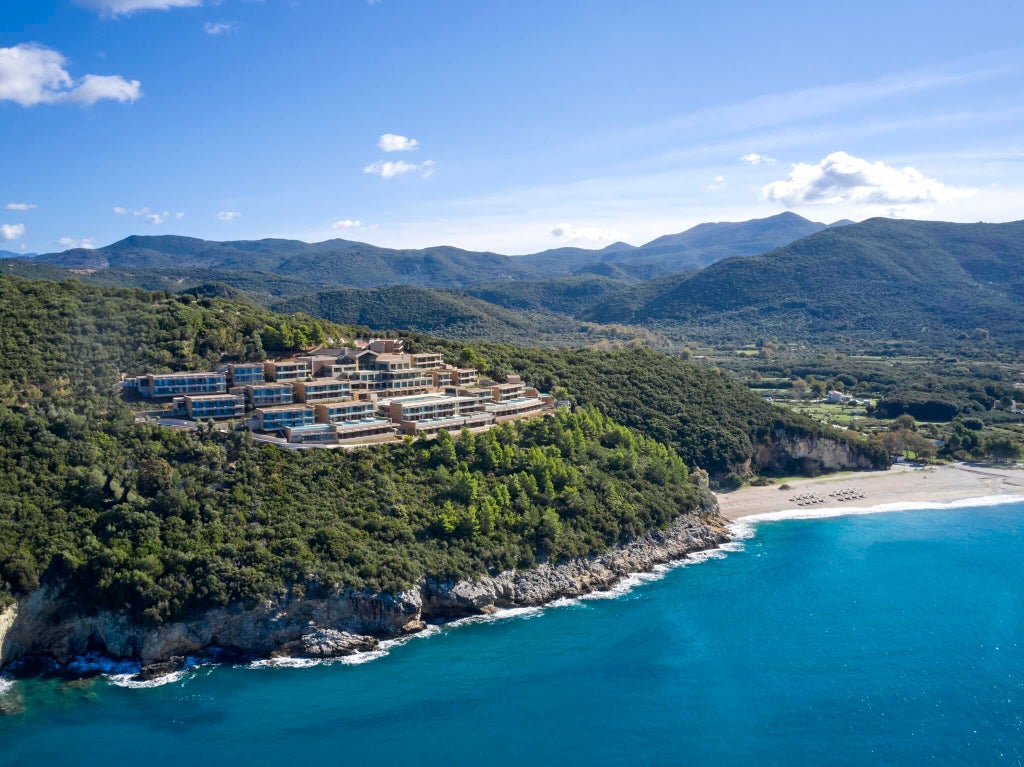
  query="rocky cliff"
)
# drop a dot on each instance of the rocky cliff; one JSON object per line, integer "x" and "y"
{"x": 7, "y": 617}
{"x": 810, "y": 454}
{"x": 342, "y": 624}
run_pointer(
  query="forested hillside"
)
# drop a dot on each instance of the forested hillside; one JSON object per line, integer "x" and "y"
{"x": 427, "y": 311}
{"x": 563, "y": 295}
{"x": 346, "y": 263}
{"x": 711, "y": 419}
{"x": 160, "y": 523}
{"x": 881, "y": 279}
{"x": 330, "y": 263}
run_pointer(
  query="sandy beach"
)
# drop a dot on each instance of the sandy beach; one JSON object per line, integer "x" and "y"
{"x": 903, "y": 483}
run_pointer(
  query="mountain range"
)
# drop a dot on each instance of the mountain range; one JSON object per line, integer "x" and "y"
{"x": 345, "y": 263}
{"x": 782, "y": 277}
{"x": 882, "y": 278}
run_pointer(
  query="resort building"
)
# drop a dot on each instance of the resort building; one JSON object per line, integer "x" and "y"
{"x": 317, "y": 433}
{"x": 480, "y": 395}
{"x": 165, "y": 385}
{"x": 269, "y": 394}
{"x": 322, "y": 390}
{"x": 203, "y": 406}
{"x": 428, "y": 426}
{"x": 427, "y": 360}
{"x": 287, "y": 416}
{"x": 508, "y": 391}
{"x": 333, "y": 433}
{"x": 319, "y": 363}
{"x": 362, "y": 359}
{"x": 386, "y": 345}
{"x": 244, "y": 374}
{"x": 337, "y": 395}
{"x": 344, "y": 411}
{"x": 515, "y": 408}
{"x": 364, "y": 428}
{"x": 419, "y": 407}
{"x": 287, "y": 370}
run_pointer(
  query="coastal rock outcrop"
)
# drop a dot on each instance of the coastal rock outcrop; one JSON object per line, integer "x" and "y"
{"x": 7, "y": 618}
{"x": 326, "y": 643}
{"x": 338, "y": 625}
{"x": 799, "y": 453}
{"x": 47, "y": 626}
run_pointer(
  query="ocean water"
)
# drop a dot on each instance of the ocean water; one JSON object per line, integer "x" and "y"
{"x": 886, "y": 639}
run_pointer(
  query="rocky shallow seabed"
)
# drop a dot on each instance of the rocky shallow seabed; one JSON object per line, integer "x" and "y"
{"x": 348, "y": 623}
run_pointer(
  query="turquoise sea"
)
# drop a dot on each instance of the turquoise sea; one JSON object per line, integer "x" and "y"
{"x": 893, "y": 638}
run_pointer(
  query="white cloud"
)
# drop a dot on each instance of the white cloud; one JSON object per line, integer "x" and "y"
{"x": 70, "y": 242}
{"x": 20, "y": 206}
{"x": 218, "y": 27}
{"x": 391, "y": 142}
{"x": 126, "y": 7}
{"x": 150, "y": 217}
{"x": 228, "y": 215}
{"x": 346, "y": 224}
{"x": 32, "y": 74}
{"x": 571, "y": 233}
{"x": 758, "y": 159}
{"x": 841, "y": 177}
{"x": 718, "y": 182}
{"x": 95, "y": 88}
{"x": 388, "y": 169}
{"x": 10, "y": 232}
{"x": 179, "y": 215}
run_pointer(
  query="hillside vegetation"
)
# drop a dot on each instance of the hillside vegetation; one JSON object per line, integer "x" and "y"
{"x": 345, "y": 263}
{"x": 881, "y": 279}
{"x": 428, "y": 311}
{"x": 160, "y": 524}
{"x": 711, "y": 419}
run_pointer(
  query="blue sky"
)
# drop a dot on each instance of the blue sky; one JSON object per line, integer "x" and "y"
{"x": 514, "y": 126}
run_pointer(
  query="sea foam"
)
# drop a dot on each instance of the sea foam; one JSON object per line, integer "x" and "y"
{"x": 844, "y": 511}
{"x": 622, "y": 587}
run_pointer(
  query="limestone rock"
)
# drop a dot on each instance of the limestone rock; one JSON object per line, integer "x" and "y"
{"x": 163, "y": 668}
{"x": 329, "y": 643}
{"x": 339, "y": 624}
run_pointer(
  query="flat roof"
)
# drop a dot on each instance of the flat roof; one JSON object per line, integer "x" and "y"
{"x": 516, "y": 401}
{"x": 284, "y": 408}
{"x": 326, "y": 382}
{"x": 184, "y": 374}
{"x": 450, "y": 419}
{"x": 310, "y": 427}
{"x": 421, "y": 398}
{"x": 363, "y": 422}
{"x": 208, "y": 397}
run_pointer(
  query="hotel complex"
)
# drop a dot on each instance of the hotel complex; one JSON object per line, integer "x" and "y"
{"x": 331, "y": 396}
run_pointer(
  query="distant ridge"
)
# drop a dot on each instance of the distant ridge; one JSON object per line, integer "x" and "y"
{"x": 882, "y": 278}
{"x": 346, "y": 263}
{"x": 693, "y": 248}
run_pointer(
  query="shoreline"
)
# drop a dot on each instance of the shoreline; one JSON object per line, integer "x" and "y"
{"x": 348, "y": 627}
{"x": 439, "y": 606}
{"x": 901, "y": 488}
